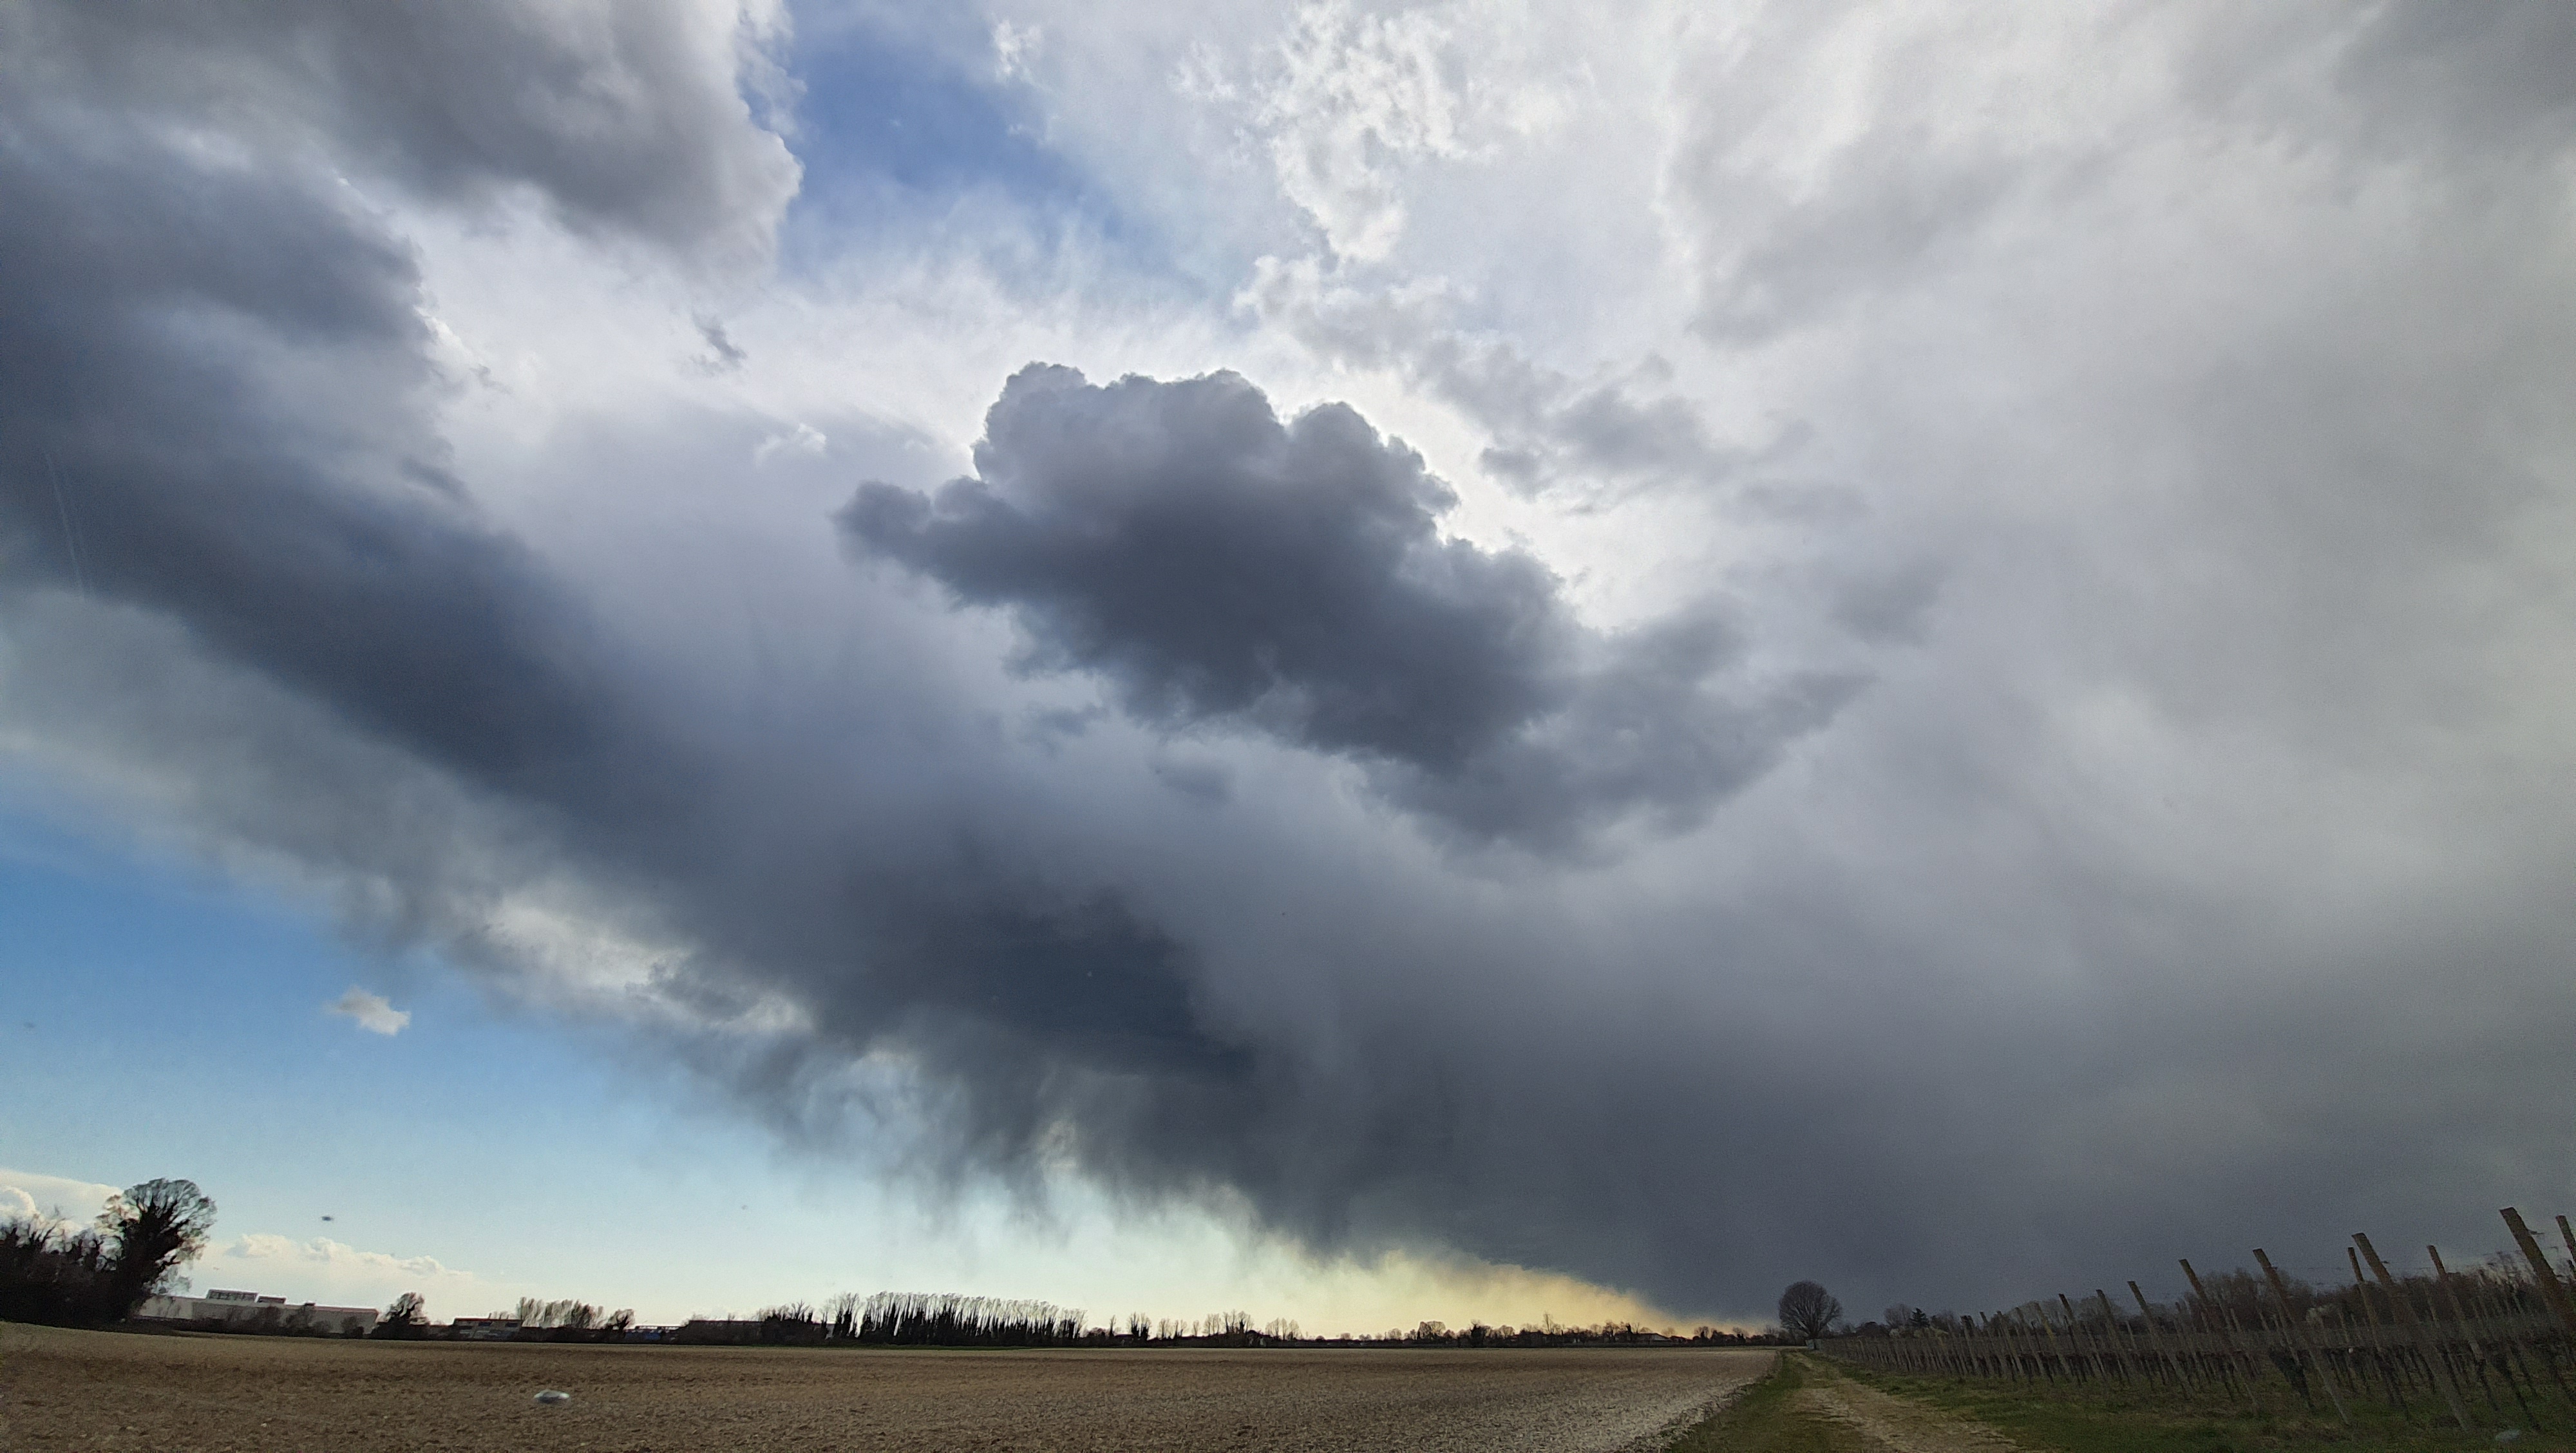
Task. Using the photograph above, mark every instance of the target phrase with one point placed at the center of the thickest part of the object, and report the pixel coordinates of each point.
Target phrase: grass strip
(1767, 1418)
(2095, 1419)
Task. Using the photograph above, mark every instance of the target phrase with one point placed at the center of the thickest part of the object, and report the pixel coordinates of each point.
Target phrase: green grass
(2115, 1420)
(1766, 1419)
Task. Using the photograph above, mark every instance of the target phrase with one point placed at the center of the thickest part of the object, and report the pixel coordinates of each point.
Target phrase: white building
(251, 1312)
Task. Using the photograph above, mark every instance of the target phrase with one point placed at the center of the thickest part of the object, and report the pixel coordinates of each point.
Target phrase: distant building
(484, 1329)
(250, 1312)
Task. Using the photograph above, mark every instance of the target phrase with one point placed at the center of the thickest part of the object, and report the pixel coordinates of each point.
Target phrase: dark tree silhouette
(406, 1319)
(1808, 1311)
(52, 1273)
(158, 1226)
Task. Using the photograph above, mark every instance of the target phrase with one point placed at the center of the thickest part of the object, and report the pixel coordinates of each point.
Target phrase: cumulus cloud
(333, 1258)
(333, 1272)
(2184, 387)
(371, 1012)
(30, 1196)
(1218, 565)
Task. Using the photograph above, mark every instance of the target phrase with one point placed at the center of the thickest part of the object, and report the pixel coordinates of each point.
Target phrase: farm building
(252, 1312)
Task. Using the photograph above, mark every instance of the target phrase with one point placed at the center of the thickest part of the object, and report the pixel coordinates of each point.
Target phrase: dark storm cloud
(139, 281)
(1217, 565)
(216, 402)
(624, 116)
(2189, 878)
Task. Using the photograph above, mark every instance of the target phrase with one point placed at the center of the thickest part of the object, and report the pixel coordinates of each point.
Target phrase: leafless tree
(406, 1319)
(158, 1227)
(1808, 1311)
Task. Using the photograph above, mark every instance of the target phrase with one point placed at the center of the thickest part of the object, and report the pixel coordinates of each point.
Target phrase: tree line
(55, 1272)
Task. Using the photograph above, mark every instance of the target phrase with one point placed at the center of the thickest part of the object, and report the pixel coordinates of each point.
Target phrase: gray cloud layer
(2190, 874)
(625, 117)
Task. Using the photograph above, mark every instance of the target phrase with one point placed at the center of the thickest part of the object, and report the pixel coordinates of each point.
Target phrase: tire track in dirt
(1893, 1423)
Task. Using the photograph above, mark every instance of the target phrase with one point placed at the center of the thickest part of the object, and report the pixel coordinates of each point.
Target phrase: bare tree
(1808, 1311)
(404, 1319)
(158, 1226)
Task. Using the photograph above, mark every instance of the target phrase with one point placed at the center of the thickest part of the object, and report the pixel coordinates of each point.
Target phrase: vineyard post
(2497, 1307)
(2129, 1369)
(2043, 1351)
(2508, 1354)
(2123, 1353)
(2548, 1279)
(2078, 1339)
(2237, 1356)
(2156, 1339)
(2469, 1332)
(2406, 1314)
(2551, 1292)
(2378, 1340)
(2050, 1333)
(2079, 1344)
(2012, 1347)
(2297, 1339)
(2039, 1350)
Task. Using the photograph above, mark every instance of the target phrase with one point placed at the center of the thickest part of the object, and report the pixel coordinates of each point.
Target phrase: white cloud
(1356, 100)
(373, 1014)
(1014, 46)
(333, 1272)
(802, 439)
(30, 1195)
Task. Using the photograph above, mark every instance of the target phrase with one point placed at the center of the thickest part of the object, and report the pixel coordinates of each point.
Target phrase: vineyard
(2489, 1345)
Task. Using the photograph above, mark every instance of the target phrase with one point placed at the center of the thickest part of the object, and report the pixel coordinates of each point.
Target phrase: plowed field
(102, 1390)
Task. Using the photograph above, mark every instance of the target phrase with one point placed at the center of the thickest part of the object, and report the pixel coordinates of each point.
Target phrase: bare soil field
(105, 1390)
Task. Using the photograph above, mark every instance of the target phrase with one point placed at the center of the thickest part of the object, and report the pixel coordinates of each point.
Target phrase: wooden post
(2549, 1290)
(2156, 1340)
(2120, 1350)
(2064, 1346)
(2049, 1330)
(2378, 1343)
(2022, 1371)
(2469, 1332)
(2076, 1338)
(2237, 1355)
(2406, 1313)
(2298, 1338)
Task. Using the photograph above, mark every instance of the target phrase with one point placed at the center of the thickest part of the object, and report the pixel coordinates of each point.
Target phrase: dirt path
(1892, 1423)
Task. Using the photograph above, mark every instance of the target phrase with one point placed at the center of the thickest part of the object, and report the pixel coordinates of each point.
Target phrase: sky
(1360, 662)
